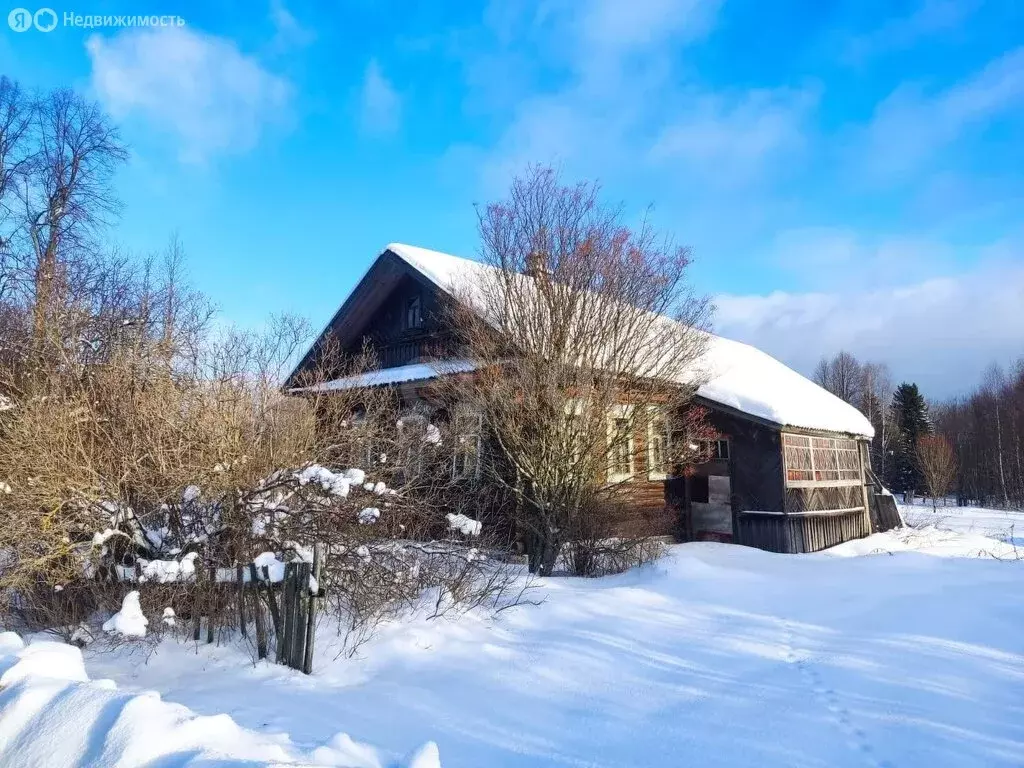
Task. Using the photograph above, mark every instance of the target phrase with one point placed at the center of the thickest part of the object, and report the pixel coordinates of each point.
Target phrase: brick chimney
(537, 265)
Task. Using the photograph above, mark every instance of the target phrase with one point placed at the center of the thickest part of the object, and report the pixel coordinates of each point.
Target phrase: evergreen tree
(912, 422)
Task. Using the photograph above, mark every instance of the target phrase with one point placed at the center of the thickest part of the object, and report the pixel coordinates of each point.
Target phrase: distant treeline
(984, 429)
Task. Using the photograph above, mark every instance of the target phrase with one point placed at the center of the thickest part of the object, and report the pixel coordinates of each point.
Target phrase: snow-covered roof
(745, 378)
(399, 375)
(737, 375)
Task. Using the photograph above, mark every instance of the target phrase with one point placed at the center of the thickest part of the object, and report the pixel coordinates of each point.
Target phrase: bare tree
(937, 463)
(586, 336)
(58, 153)
(841, 375)
(66, 193)
(876, 392)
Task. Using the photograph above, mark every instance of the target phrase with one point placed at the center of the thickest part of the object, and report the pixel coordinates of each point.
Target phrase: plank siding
(794, 534)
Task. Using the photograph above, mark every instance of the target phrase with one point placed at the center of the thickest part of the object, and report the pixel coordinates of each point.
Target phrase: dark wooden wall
(394, 344)
(755, 463)
(799, 533)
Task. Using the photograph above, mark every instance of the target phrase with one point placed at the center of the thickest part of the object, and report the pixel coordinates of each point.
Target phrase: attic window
(413, 313)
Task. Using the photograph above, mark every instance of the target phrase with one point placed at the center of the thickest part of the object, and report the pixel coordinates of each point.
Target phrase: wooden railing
(800, 532)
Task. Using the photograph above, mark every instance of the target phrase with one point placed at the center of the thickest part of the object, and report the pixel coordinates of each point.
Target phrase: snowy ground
(1005, 525)
(716, 656)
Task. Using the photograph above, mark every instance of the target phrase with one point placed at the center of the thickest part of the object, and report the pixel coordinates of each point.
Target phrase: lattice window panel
(820, 461)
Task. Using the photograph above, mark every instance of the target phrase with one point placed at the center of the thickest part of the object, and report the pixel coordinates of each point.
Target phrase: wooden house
(789, 474)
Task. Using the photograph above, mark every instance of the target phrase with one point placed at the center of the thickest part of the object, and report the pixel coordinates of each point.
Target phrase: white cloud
(818, 256)
(598, 115)
(941, 332)
(623, 26)
(910, 127)
(730, 139)
(931, 17)
(196, 87)
(288, 32)
(380, 104)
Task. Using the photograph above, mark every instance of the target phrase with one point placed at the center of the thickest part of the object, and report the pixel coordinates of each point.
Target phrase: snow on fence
(291, 592)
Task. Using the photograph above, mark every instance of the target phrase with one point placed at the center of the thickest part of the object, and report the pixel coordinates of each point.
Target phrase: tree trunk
(240, 575)
(549, 550)
(999, 455)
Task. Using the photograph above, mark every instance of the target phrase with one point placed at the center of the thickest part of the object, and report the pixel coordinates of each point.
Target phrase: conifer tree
(912, 422)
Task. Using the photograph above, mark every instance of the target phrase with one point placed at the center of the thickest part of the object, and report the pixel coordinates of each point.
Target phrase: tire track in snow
(856, 738)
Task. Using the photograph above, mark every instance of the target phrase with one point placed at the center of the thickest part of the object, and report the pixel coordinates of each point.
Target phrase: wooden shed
(790, 472)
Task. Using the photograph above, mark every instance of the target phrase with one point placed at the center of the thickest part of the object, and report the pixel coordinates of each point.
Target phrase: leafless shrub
(596, 547)
(937, 463)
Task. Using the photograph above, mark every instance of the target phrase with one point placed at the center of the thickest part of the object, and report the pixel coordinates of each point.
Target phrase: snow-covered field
(1005, 525)
(716, 656)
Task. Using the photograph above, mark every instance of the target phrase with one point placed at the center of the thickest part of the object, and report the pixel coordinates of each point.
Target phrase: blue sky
(849, 174)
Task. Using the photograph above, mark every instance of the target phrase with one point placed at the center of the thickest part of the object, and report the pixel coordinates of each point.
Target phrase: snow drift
(53, 716)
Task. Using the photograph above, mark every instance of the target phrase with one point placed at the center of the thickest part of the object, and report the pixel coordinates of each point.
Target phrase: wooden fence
(799, 532)
(250, 596)
(293, 618)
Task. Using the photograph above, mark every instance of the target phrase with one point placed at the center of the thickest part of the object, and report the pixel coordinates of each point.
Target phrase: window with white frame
(658, 446)
(820, 461)
(466, 456)
(620, 444)
(361, 453)
(412, 434)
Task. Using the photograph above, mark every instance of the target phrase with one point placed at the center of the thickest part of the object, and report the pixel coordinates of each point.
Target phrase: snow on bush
(369, 515)
(337, 484)
(467, 526)
(129, 621)
(82, 635)
(169, 617)
(433, 435)
(355, 476)
(168, 571)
